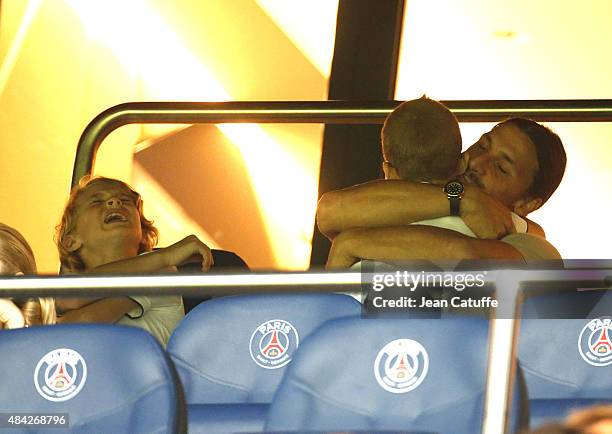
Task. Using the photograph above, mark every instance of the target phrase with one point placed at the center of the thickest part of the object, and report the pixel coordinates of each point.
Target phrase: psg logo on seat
(401, 365)
(60, 375)
(595, 342)
(273, 343)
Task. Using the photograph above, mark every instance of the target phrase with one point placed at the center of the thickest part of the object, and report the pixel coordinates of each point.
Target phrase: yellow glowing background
(67, 60)
(64, 61)
(546, 49)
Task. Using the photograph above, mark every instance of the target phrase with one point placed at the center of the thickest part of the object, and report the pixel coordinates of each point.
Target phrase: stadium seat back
(236, 349)
(104, 378)
(231, 353)
(387, 374)
(565, 349)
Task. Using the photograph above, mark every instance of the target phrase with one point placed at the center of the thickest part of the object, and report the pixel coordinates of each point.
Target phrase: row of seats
(238, 361)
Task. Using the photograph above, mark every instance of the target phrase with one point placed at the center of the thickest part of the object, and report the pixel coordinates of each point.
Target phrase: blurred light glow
(311, 26)
(8, 63)
(143, 42)
(169, 217)
(286, 191)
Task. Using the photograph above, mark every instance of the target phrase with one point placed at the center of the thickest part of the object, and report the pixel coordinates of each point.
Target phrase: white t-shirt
(457, 224)
(159, 315)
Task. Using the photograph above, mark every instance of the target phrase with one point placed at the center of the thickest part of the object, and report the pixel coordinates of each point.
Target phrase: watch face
(453, 188)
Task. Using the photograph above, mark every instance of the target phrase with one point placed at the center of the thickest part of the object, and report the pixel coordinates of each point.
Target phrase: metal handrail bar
(191, 284)
(329, 112)
(224, 284)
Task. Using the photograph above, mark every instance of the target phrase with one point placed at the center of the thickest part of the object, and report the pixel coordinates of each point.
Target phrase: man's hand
(188, 249)
(485, 216)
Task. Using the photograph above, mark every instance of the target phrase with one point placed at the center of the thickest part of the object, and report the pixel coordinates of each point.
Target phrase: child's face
(107, 211)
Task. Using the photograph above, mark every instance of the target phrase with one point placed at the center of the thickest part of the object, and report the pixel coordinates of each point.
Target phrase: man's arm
(413, 242)
(379, 204)
(386, 203)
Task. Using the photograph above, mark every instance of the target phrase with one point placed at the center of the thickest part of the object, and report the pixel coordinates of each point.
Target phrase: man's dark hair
(551, 157)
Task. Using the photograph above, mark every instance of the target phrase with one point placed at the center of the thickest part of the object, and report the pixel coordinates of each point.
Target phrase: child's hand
(10, 315)
(185, 250)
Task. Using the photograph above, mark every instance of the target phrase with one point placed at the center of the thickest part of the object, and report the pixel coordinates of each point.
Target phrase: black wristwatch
(453, 190)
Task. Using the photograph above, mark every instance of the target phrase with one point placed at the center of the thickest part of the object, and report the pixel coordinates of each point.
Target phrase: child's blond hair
(16, 257)
(71, 261)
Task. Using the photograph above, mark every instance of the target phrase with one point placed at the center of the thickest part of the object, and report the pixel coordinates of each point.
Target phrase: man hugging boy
(421, 142)
(103, 230)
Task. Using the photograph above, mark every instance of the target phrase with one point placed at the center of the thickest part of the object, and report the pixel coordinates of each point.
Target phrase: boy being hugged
(103, 230)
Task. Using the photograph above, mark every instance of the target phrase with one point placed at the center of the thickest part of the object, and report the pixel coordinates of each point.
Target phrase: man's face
(107, 211)
(503, 163)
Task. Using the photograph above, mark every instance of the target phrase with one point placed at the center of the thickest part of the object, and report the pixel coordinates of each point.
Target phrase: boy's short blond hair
(422, 141)
(71, 261)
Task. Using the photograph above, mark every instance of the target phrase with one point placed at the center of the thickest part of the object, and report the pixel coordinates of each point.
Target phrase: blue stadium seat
(567, 361)
(231, 353)
(106, 378)
(387, 374)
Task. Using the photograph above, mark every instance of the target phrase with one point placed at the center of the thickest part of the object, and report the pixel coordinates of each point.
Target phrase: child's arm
(156, 261)
(65, 304)
(160, 260)
(379, 204)
(108, 310)
(413, 242)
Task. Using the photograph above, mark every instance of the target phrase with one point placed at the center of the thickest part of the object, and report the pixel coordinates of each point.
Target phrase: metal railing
(329, 112)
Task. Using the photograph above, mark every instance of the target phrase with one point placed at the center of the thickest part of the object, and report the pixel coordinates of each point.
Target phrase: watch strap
(454, 205)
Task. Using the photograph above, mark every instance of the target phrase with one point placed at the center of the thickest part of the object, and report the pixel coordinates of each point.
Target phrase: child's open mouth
(115, 217)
